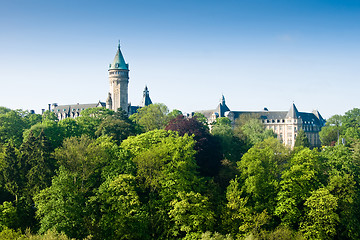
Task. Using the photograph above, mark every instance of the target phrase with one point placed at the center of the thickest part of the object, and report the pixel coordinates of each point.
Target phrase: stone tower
(119, 80)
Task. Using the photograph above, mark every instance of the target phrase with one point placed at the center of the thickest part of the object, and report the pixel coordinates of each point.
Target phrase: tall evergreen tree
(11, 171)
(37, 165)
(301, 139)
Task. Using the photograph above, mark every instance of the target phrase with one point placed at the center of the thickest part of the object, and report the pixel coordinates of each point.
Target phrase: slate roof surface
(293, 112)
(307, 118)
(76, 107)
(119, 62)
(207, 113)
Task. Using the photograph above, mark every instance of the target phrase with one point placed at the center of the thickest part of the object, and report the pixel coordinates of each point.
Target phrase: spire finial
(119, 44)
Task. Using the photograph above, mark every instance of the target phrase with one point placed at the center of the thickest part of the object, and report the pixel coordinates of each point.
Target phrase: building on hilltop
(72, 110)
(285, 124)
(117, 97)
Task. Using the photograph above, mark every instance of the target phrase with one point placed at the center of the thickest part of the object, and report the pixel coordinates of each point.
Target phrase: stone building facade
(285, 124)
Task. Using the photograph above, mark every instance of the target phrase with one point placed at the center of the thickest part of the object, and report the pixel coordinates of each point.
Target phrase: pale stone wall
(119, 80)
(287, 130)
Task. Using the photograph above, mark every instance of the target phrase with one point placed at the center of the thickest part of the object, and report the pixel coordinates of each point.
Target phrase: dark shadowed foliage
(208, 156)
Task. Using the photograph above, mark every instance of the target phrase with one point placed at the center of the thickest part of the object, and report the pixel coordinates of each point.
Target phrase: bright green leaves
(12, 125)
(62, 206)
(191, 212)
(255, 131)
(8, 216)
(303, 177)
(239, 217)
(320, 215)
(301, 139)
(260, 169)
(151, 117)
(122, 216)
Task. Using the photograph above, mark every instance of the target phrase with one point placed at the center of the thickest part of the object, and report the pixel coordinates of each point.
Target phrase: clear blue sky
(258, 53)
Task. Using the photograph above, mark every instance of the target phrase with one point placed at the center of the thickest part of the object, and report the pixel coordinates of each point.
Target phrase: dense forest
(159, 175)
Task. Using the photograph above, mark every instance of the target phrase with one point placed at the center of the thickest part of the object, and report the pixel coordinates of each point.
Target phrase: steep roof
(119, 61)
(307, 118)
(146, 101)
(261, 114)
(220, 110)
(293, 112)
(318, 115)
(76, 107)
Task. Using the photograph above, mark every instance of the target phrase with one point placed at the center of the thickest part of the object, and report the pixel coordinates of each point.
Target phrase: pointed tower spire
(146, 101)
(293, 112)
(119, 61)
(222, 108)
(223, 99)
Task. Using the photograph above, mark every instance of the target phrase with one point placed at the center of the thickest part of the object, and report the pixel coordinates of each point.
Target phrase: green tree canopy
(255, 131)
(303, 177)
(62, 206)
(260, 169)
(191, 213)
(301, 139)
(85, 157)
(91, 118)
(122, 215)
(12, 126)
(116, 128)
(51, 129)
(165, 165)
(151, 117)
(37, 165)
(321, 217)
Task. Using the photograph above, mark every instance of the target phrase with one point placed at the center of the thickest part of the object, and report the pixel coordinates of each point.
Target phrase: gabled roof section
(119, 61)
(318, 115)
(76, 107)
(293, 112)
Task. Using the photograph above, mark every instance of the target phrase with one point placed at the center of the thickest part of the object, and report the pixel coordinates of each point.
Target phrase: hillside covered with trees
(159, 175)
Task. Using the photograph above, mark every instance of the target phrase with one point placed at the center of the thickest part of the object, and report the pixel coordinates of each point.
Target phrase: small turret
(222, 108)
(146, 101)
(109, 102)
